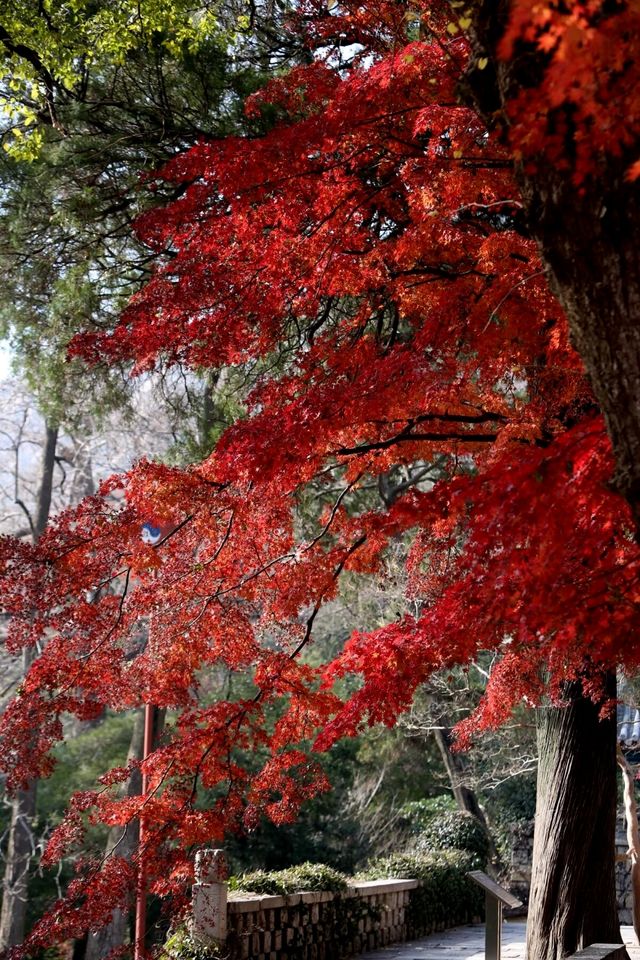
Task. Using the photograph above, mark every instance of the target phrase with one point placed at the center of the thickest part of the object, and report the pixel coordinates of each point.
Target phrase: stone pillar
(210, 896)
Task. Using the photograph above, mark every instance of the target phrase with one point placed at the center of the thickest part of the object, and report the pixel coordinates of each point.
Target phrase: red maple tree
(374, 258)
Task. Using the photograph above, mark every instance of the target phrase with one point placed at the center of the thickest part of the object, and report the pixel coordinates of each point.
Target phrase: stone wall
(623, 874)
(518, 877)
(319, 925)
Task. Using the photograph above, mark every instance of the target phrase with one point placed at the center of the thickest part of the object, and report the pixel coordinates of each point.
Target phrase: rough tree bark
(589, 245)
(573, 899)
(589, 240)
(21, 846)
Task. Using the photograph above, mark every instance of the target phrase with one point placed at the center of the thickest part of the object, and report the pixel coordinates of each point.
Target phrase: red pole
(141, 892)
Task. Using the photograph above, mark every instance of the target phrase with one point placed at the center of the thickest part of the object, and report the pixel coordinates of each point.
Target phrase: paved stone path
(467, 943)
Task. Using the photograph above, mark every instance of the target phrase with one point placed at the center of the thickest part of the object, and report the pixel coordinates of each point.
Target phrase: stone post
(210, 896)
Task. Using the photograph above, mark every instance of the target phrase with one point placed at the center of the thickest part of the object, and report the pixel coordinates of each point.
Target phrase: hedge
(455, 831)
(303, 877)
(446, 896)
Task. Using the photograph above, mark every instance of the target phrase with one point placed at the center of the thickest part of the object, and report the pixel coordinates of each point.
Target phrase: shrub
(180, 945)
(304, 876)
(445, 895)
(417, 813)
(455, 831)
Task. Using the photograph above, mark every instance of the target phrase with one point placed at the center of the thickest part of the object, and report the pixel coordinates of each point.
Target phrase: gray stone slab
(467, 943)
(464, 942)
(601, 951)
(630, 941)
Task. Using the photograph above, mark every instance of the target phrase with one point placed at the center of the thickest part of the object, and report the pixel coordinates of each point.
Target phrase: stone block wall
(623, 874)
(319, 925)
(519, 871)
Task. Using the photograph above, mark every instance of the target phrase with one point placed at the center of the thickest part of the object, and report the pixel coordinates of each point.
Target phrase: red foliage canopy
(369, 256)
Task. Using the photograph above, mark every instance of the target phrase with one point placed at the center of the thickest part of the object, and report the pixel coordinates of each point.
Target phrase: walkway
(467, 943)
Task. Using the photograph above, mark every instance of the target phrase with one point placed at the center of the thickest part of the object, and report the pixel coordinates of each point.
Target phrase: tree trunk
(589, 242)
(21, 845)
(101, 942)
(211, 417)
(20, 849)
(45, 491)
(464, 796)
(114, 935)
(573, 900)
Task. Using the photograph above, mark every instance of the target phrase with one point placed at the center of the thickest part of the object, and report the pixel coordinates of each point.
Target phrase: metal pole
(141, 892)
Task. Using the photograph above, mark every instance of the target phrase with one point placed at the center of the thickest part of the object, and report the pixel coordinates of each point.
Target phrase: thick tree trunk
(21, 845)
(589, 241)
(573, 900)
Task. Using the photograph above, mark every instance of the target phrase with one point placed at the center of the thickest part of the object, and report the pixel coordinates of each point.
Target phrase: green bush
(455, 830)
(417, 813)
(305, 876)
(180, 945)
(445, 896)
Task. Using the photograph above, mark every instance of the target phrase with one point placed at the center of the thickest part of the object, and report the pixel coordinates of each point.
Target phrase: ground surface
(467, 943)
